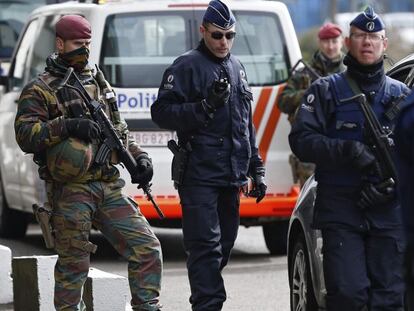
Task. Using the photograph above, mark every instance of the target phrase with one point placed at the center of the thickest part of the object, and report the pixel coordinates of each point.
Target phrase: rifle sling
(391, 113)
(357, 90)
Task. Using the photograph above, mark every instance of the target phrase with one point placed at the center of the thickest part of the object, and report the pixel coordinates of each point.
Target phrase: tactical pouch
(43, 215)
(179, 162)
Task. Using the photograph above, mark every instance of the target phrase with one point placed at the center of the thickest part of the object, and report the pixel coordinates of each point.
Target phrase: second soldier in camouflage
(325, 61)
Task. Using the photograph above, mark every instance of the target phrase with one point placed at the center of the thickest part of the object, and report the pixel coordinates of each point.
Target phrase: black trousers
(363, 269)
(210, 225)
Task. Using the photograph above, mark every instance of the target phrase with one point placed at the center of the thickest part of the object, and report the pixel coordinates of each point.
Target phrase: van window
(13, 15)
(260, 47)
(137, 48)
(43, 46)
(22, 55)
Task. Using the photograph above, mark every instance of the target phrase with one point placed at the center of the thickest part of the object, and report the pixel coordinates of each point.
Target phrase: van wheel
(275, 235)
(302, 296)
(13, 224)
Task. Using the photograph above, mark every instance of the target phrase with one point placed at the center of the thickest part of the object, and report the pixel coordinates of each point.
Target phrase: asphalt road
(254, 280)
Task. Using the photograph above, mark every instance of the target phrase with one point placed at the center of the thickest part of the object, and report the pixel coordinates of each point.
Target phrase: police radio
(221, 84)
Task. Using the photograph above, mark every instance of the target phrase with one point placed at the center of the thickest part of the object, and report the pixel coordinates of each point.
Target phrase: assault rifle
(379, 141)
(308, 69)
(111, 141)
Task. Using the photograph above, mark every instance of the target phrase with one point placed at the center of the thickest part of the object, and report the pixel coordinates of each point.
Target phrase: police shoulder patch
(307, 107)
(168, 85)
(310, 98)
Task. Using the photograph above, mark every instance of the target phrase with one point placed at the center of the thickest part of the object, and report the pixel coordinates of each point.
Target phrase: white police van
(133, 42)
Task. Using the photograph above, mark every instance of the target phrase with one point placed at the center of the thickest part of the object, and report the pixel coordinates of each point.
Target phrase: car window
(261, 54)
(43, 46)
(137, 48)
(22, 55)
(13, 16)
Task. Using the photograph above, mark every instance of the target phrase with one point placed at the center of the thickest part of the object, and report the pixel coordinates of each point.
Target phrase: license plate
(153, 138)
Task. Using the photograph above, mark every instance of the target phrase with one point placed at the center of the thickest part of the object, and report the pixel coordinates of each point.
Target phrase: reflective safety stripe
(270, 125)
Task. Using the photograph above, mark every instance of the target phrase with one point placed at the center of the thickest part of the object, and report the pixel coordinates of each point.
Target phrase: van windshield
(260, 47)
(138, 47)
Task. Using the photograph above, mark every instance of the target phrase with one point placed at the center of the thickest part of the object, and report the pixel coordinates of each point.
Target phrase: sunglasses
(217, 35)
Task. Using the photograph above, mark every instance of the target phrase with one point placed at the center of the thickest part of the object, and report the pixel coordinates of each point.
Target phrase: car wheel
(275, 235)
(13, 224)
(302, 296)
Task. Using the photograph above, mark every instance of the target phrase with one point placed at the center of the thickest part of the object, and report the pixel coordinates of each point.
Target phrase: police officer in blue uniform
(360, 220)
(205, 97)
(404, 142)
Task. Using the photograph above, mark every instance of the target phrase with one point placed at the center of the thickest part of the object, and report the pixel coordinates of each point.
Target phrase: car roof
(155, 5)
(403, 61)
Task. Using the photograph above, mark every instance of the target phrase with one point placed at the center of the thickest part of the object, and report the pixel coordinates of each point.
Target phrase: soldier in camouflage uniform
(54, 124)
(326, 60)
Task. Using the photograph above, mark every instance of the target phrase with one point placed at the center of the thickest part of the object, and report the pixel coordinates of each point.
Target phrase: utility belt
(180, 160)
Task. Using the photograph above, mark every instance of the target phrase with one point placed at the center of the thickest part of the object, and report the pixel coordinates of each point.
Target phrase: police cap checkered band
(368, 21)
(219, 15)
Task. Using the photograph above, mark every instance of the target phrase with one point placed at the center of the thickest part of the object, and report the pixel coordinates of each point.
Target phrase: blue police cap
(368, 21)
(219, 15)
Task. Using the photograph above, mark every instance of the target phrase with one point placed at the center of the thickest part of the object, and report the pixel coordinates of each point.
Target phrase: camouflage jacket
(39, 122)
(300, 81)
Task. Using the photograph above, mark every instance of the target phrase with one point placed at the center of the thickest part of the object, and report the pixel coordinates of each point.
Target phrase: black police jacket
(404, 141)
(322, 126)
(222, 146)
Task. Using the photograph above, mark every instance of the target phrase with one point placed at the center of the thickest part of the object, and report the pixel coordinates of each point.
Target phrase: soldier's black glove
(144, 172)
(258, 182)
(84, 129)
(218, 96)
(373, 196)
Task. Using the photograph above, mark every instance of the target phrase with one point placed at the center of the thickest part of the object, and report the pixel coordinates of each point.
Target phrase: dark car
(307, 286)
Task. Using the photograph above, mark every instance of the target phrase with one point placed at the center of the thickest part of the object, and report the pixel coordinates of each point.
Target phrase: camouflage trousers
(301, 171)
(76, 207)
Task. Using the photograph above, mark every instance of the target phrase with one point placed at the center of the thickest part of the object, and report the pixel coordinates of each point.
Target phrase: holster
(43, 215)
(179, 163)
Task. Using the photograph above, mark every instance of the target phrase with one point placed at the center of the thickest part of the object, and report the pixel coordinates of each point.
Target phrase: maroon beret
(71, 27)
(329, 31)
